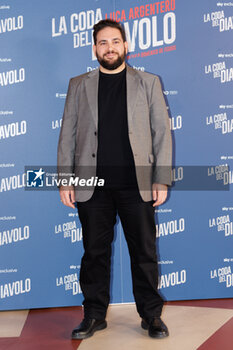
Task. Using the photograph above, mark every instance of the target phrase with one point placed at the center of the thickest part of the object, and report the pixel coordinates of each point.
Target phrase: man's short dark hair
(108, 23)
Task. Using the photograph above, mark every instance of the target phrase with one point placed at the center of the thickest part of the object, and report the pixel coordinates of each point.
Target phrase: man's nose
(110, 47)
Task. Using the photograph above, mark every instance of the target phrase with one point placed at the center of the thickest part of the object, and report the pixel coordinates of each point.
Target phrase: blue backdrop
(189, 45)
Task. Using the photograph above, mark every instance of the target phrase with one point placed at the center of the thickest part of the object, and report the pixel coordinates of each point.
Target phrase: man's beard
(111, 65)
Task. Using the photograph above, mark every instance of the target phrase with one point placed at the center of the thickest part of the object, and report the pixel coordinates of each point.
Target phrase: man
(115, 126)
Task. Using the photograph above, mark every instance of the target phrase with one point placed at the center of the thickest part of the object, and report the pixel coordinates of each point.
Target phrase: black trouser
(98, 217)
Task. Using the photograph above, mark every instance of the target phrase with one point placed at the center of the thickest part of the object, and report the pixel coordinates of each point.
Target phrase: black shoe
(87, 328)
(156, 328)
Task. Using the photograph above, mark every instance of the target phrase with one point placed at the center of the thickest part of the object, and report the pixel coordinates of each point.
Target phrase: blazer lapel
(132, 83)
(92, 84)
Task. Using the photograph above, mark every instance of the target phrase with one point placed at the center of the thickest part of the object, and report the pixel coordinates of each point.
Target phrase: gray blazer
(148, 124)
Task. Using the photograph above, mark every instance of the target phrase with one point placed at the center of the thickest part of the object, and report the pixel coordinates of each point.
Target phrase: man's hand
(67, 196)
(159, 193)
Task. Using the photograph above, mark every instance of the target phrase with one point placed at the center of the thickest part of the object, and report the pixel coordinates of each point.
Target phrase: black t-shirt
(115, 161)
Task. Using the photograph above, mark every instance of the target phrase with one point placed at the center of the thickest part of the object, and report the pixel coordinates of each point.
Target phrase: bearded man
(116, 127)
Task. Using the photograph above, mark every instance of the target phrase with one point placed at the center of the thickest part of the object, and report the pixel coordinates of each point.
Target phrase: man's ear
(94, 49)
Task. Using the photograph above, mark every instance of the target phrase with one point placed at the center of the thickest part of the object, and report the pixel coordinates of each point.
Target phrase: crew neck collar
(114, 74)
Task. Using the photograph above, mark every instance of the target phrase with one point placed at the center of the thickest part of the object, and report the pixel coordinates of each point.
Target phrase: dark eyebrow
(114, 39)
(104, 40)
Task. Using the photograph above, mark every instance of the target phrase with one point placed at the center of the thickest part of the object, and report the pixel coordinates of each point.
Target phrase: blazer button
(93, 155)
(95, 133)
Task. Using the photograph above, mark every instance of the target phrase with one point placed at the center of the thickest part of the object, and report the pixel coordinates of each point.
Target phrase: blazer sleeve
(161, 135)
(66, 143)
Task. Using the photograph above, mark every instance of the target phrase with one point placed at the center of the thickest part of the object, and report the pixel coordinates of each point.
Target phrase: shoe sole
(158, 336)
(84, 336)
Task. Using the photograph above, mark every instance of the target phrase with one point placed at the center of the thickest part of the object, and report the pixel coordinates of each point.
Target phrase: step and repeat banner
(189, 46)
